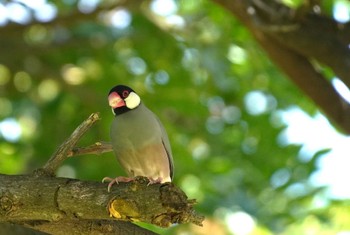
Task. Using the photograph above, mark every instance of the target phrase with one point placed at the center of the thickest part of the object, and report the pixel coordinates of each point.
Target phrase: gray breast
(138, 142)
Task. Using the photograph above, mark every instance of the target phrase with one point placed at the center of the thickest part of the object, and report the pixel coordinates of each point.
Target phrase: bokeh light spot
(22, 81)
(240, 223)
(4, 75)
(341, 11)
(176, 21)
(37, 34)
(249, 145)
(45, 12)
(87, 6)
(280, 178)
(164, 7)
(236, 54)
(161, 77)
(191, 185)
(215, 105)
(10, 129)
(341, 88)
(120, 18)
(48, 89)
(136, 66)
(18, 13)
(215, 125)
(199, 148)
(3, 15)
(257, 102)
(28, 126)
(231, 114)
(296, 190)
(73, 75)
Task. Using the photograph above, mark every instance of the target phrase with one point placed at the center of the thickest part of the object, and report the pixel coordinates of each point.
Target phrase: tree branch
(72, 203)
(314, 35)
(87, 206)
(292, 56)
(78, 227)
(96, 148)
(63, 152)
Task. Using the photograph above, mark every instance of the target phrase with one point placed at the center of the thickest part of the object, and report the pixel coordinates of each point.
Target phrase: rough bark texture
(69, 206)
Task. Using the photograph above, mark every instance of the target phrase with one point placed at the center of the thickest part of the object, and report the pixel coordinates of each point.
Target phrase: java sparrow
(138, 138)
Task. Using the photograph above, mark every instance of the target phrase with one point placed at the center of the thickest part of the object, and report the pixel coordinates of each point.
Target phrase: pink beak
(115, 101)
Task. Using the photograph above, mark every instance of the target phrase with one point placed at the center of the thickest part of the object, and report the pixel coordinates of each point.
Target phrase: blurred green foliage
(196, 67)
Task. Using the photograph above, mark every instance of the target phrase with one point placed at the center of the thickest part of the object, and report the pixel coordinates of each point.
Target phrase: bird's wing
(166, 144)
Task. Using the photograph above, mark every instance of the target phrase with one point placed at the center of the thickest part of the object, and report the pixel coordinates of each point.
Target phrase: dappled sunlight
(258, 102)
(22, 81)
(45, 12)
(215, 125)
(341, 11)
(4, 75)
(341, 88)
(38, 35)
(199, 148)
(163, 7)
(48, 89)
(88, 6)
(73, 75)
(18, 13)
(237, 55)
(280, 177)
(10, 129)
(3, 15)
(191, 184)
(240, 223)
(164, 13)
(120, 18)
(29, 126)
(242, 147)
(221, 114)
(317, 135)
(136, 66)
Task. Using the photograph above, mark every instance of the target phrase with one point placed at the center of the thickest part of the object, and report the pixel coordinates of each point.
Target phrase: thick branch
(43, 202)
(313, 35)
(78, 227)
(295, 65)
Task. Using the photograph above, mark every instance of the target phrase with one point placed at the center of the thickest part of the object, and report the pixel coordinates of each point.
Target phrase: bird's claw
(154, 181)
(115, 180)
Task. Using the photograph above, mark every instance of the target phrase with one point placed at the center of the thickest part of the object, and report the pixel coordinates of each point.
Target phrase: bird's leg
(154, 181)
(116, 180)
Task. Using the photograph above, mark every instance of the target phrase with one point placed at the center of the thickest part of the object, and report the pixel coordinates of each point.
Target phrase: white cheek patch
(132, 101)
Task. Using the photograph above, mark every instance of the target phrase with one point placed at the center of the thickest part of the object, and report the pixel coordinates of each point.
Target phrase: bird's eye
(125, 93)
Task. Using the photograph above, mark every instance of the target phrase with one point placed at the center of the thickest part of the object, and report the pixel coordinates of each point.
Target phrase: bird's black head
(122, 99)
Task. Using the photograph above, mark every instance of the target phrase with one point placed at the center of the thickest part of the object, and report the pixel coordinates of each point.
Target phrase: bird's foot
(116, 180)
(154, 181)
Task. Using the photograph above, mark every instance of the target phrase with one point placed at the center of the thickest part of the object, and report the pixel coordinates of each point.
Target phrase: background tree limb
(291, 42)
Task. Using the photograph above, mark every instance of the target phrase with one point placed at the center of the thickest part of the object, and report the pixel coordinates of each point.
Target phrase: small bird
(138, 138)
